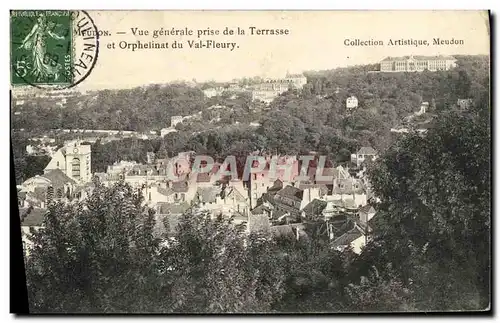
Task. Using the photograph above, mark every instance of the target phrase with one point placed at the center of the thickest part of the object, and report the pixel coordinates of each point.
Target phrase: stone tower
(78, 162)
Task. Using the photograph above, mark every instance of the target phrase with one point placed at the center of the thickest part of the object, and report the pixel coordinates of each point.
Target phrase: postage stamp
(54, 49)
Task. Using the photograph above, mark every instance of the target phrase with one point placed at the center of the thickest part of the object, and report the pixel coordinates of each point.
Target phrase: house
(53, 185)
(363, 154)
(334, 208)
(326, 175)
(366, 213)
(287, 202)
(166, 131)
(168, 216)
(183, 192)
(464, 104)
(351, 191)
(423, 108)
(266, 208)
(225, 200)
(351, 103)
(352, 231)
(210, 92)
(120, 167)
(31, 219)
(278, 168)
(154, 193)
(175, 120)
(354, 239)
(294, 231)
(314, 210)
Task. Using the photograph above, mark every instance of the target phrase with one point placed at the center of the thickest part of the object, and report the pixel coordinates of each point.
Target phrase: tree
(434, 218)
(212, 266)
(95, 256)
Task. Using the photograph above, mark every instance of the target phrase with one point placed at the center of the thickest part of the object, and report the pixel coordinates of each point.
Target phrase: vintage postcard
(251, 161)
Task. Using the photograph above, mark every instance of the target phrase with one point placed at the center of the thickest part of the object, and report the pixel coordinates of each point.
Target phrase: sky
(315, 42)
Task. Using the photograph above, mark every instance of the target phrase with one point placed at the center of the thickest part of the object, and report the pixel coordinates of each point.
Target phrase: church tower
(78, 162)
(74, 161)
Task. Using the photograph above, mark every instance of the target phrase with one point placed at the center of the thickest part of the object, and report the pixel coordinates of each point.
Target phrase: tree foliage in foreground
(431, 246)
(434, 220)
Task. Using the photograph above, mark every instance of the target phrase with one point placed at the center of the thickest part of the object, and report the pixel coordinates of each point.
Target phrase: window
(50, 193)
(57, 164)
(75, 168)
(183, 197)
(150, 196)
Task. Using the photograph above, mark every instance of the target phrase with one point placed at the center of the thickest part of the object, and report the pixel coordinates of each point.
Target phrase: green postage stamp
(41, 47)
(52, 49)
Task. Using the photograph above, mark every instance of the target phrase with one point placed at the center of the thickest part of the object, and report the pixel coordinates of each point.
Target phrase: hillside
(314, 119)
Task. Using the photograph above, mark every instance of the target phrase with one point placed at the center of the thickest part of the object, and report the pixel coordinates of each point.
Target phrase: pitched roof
(260, 209)
(165, 191)
(333, 205)
(58, 178)
(367, 151)
(34, 218)
(172, 208)
(208, 194)
(350, 204)
(367, 209)
(315, 207)
(335, 172)
(203, 177)
(349, 186)
(347, 238)
(233, 192)
(180, 186)
(291, 192)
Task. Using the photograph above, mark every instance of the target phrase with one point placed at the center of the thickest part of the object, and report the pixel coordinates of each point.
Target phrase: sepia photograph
(251, 162)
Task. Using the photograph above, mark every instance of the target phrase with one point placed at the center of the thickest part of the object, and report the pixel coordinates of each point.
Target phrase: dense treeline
(25, 166)
(430, 249)
(139, 109)
(314, 119)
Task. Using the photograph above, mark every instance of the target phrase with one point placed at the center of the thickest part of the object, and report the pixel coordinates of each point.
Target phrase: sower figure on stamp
(44, 65)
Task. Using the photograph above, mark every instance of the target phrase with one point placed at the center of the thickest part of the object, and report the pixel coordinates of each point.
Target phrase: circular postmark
(52, 49)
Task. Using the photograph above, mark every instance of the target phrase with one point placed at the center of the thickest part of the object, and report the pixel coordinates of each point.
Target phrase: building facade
(74, 160)
(351, 103)
(417, 63)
